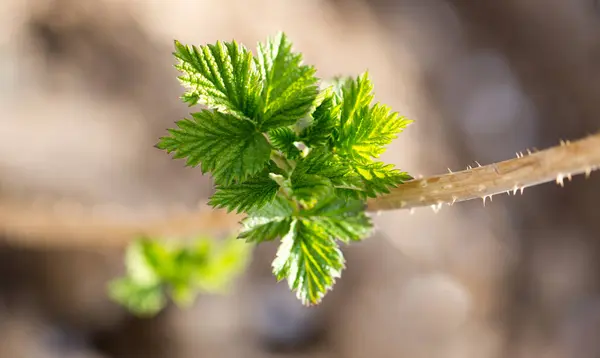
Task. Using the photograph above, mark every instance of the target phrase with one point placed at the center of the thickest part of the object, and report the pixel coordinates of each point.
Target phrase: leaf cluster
(158, 269)
(298, 159)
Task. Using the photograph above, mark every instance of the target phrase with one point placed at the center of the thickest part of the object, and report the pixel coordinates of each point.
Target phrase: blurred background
(87, 87)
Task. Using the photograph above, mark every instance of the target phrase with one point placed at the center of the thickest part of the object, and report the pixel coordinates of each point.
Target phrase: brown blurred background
(87, 87)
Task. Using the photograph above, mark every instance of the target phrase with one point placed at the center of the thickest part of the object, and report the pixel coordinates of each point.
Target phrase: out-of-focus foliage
(157, 270)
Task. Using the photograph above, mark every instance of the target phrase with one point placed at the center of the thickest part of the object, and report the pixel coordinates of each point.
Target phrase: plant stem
(50, 227)
(510, 176)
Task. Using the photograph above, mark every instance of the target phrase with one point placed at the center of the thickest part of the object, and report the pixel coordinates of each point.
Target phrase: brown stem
(50, 227)
(510, 176)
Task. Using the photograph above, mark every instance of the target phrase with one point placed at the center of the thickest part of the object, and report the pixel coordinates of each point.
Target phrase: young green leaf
(290, 88)
(308, 189)
(365, 130)
(367, 137)
(325, 118)
(378, 178)
(362, 134)
(221, 76)
(251, 194)
(356, 96)
(322, 162)
(343, 220)
(230, 148)
(268, 223)
(283, 139)
(310, 259)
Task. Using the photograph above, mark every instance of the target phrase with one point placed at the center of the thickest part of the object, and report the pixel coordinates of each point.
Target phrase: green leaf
(361, 135)
(343, 220)
(325, 118)
(322, 162)
(365, 130)
(221, 76)
(155, 268)
(283, 139)
(308, 189)
(251, 194)
(376, 128)
(290, 88)
(142, 300)
(268, 223)
(378, 178)
(356, 97)
(230, 148)
(310, 260)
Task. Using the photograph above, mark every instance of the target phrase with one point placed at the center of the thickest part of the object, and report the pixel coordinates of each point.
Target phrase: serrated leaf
(283, 139)
(230, 148)
(343, 220)
(290, 88)
(365, 130)
(356, 96)
(268, 223)
(368, 136)
(222, 76)
(308, 189)
(310, 260)
(379, 178)
(253, 193)
(325, 119)
(361, 135)
(259, 229)
(322, 162)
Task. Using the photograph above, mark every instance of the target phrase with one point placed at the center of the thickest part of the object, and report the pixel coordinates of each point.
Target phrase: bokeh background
(87, 87)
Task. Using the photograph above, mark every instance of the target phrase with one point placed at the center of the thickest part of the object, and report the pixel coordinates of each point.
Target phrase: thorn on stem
(560, 180)
(436, 207)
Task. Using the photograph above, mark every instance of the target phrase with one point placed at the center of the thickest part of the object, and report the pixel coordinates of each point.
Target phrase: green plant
(157, 269)
(299, 158)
